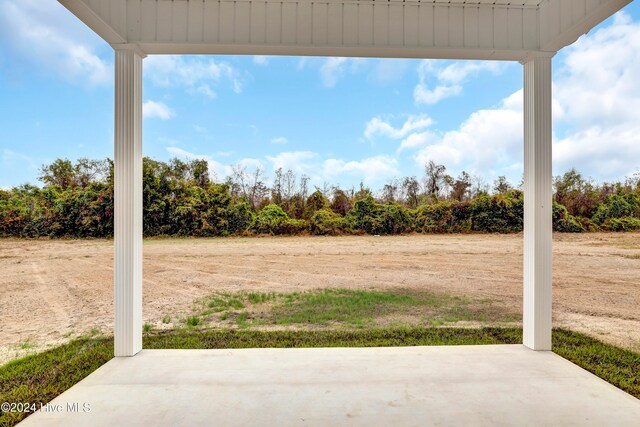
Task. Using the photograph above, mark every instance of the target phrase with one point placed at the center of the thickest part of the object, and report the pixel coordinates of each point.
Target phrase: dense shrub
(16, 211)
(373, 218)
(325, 222)
(363, 216)
(394, 219)
(579, 195)
(179, 199)
(239, 218)
(622, 224)
(618, 206)
(340, 202)
(499, 213)
(269, 219)
(443, 217)
(292, 226)
(564, 222)
(587, 224)
(315, 202)
(273, 220)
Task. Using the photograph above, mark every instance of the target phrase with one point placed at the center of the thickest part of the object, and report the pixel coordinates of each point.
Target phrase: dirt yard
(53, 290)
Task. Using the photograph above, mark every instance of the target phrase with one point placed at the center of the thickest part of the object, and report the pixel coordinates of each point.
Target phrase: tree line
(180, 198)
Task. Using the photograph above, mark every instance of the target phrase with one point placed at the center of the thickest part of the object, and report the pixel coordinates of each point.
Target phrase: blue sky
(337, 120)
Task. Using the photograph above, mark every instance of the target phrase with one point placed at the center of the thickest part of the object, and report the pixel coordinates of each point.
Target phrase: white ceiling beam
(563, 22)
(340, 51)
(93, 20)
(451, 29)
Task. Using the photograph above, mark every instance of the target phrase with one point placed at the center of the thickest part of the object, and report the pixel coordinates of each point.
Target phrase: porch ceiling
(455, 29)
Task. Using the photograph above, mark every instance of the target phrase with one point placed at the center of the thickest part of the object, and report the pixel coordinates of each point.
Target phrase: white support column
(128, 202)
(537, 204)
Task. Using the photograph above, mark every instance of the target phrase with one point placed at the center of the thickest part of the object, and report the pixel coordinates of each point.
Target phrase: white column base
(537, 204)
(128, 203)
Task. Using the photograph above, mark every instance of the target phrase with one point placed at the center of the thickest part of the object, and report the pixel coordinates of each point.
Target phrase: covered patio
(492, 385)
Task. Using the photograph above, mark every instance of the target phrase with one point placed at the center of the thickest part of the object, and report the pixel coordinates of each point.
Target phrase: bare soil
(51, 290)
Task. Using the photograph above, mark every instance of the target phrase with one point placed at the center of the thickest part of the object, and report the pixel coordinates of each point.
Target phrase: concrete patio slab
(406, 386)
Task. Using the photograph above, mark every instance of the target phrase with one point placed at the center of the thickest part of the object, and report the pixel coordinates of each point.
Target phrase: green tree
(461, 187)
(315, 202)
(502, 185)
(61, 173)
(340, 202)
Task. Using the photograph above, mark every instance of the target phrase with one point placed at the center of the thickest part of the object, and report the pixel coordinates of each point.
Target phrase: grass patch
(193, 321)
(353, 307)
(41, 377)
(615, 365)
(26, 345)
(242, 319)
(348, 308)
(261, 297)
(377, 337)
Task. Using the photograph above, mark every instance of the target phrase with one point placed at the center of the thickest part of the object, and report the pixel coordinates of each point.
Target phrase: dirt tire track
(51, 296)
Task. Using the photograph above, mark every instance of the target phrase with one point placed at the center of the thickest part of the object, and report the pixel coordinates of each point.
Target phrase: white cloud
(381, 71)
(373, 170)
(334, 68)
(449, 79)
(12, 157)
(608, 153)
(179, 152)
(205, 90)
(217, 170)
(423, 95)
(196, 73)
(251, 163)
(378, 126)
(488, 140)
(279, 140)
(416, 140)
(389, 70)
(598, 80)
(598, 90)
(46, 33)
(158, 110)
(261, 60)
(297, 161)
(224, 153)
(595, 105)
(302, 63)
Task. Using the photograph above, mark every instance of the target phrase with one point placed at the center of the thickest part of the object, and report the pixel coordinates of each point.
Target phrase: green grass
(352, 307)
(260, 297)
(377, 337)
(618, 366)
(193, 321)
(27, 345)
(242, 319)
(348, 308)
(41, 377)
